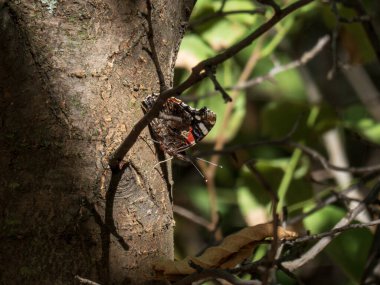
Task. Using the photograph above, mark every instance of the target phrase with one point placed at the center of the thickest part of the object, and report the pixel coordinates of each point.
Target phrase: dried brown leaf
(232, 251)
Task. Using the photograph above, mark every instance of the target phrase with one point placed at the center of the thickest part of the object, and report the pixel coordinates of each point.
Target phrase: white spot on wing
(203, 128)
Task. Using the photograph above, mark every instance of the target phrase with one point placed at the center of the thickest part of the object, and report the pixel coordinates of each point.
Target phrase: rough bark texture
(72, 76)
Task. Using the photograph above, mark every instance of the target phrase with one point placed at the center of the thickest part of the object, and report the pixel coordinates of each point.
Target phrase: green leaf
(356, 118)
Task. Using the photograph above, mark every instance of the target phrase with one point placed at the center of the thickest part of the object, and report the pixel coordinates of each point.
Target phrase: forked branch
(198, 73)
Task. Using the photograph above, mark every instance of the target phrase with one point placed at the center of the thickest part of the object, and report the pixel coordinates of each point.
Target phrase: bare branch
(286, 142)
(192, 217)
(275, 199)
(198, 73)
(219, 14)
(322, 243)
(215, 274)
(222, 5)
(272, 4)
(85, 281)
(290, 274)
(332, 199)
(333, 232)
(305, 58)
(315, 155)
(218, 87)
(368, 26)
(153, 52)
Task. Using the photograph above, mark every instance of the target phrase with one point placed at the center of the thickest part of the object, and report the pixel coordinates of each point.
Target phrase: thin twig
(368, 26)
(192, 217)
(220, 14)
(221, 138)
(304, 59)
(197, 74)
(215, 274)
(334, 43)
(290, 274)
(322, 243)
(371, 270)
(286, 142)
(85, 281)
(222, 5)
(354, 20)
(275, 199)
(153, 52)
(333, 232)
(327, 165)
(332, 199)
(270, 3)
(217, 86)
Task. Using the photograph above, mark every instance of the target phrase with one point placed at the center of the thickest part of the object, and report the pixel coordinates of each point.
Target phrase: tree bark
(72, 76)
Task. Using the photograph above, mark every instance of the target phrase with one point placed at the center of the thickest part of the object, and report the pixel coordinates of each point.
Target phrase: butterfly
(178, 125)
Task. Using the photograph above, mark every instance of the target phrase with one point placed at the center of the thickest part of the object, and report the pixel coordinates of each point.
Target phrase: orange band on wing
(190, 138)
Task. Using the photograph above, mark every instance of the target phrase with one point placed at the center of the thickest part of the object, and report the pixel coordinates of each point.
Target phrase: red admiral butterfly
(179, 126)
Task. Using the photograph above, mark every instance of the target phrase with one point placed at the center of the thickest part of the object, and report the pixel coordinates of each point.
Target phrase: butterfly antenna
(209, 162)
(162, 161)
(199, 171)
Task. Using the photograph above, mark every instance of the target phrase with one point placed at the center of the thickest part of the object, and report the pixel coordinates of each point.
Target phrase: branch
(332, 233)
(365, 22)
(333, 199)
(217, 86)
(222, 5)
(153, 52)
(274, 245)
(327, 165)
(198, 73)
(215, 274)
(223, 14)
(85, 281)
(305, 58)
(192, 217)
(321, 244)
(367, 25)
(272, 4)
(285, 141)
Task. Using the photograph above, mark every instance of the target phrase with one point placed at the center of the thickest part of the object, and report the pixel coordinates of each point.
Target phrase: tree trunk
(72, 77)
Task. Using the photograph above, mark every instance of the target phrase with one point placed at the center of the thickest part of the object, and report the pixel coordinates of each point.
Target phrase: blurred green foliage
(269, 111)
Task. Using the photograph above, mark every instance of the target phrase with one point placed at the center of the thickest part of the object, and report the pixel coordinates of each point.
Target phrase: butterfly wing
(179, 126)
